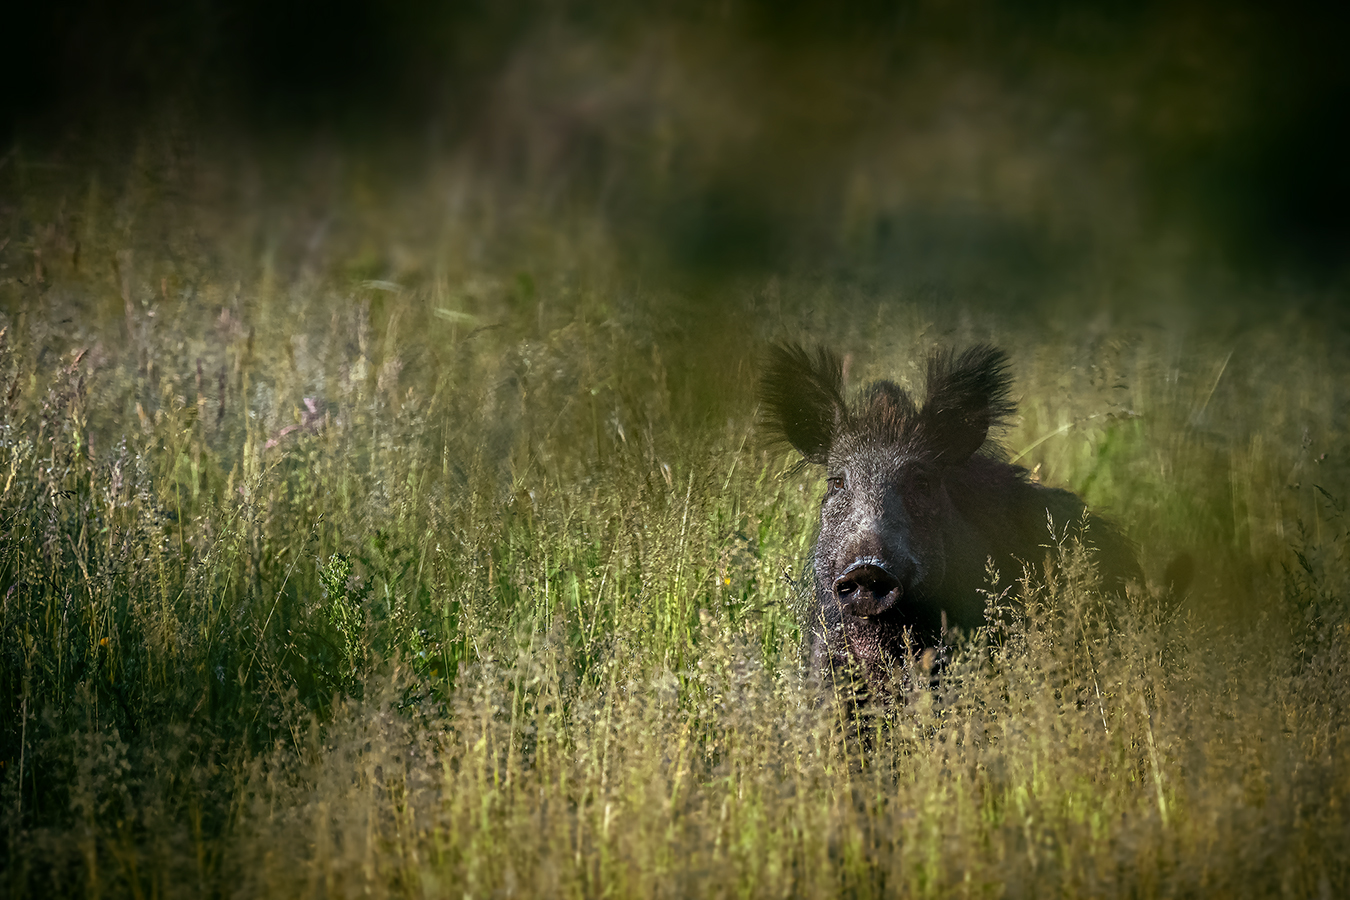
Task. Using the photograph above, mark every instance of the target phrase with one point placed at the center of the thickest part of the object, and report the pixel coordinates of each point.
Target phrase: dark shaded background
(732, 133)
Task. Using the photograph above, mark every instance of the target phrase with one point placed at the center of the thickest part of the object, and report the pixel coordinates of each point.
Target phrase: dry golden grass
(358, 543)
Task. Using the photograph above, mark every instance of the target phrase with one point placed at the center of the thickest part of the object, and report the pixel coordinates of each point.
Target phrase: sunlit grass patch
(387, 568)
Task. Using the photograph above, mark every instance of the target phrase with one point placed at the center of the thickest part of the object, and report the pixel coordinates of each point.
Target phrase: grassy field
(374, 536)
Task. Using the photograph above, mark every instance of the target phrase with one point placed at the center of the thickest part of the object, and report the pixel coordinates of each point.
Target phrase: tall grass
(423, 553)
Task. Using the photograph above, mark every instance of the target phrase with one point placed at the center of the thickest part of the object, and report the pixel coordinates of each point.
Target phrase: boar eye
(921, 482)
(834, 483)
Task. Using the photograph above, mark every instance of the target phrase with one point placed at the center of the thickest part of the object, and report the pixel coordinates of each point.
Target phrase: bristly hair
(886, 413)
(803, 397)
(965, 398)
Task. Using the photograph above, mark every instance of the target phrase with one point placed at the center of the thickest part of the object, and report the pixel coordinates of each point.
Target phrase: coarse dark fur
(918, 502)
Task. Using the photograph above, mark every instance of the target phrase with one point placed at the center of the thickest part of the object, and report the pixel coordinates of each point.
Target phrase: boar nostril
(867, 589)
(866, 577)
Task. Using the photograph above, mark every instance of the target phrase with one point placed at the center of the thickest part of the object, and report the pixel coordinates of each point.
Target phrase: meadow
(386, 536)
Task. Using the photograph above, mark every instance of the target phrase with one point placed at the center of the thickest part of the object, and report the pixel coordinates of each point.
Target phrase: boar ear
(802, 394)
(966, 396)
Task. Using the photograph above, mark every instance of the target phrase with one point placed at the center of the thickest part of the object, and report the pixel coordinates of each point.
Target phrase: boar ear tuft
(966, 396)
(803, 399)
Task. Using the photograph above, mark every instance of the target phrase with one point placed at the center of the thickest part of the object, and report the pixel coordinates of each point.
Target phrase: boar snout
(867, 588)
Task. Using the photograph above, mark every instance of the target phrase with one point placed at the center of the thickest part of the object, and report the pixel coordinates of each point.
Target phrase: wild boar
(918, 501)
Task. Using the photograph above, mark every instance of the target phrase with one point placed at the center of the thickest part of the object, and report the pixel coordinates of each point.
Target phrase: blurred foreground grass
(366, 539)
